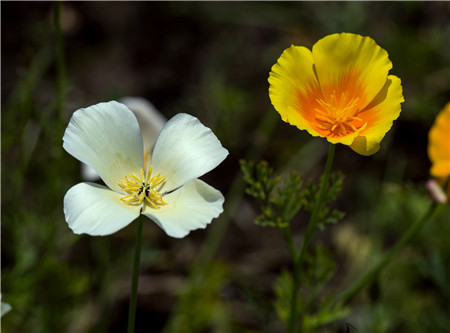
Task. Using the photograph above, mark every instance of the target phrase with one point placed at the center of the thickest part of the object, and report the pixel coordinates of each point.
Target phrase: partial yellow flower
(340, 90)
(439, 144)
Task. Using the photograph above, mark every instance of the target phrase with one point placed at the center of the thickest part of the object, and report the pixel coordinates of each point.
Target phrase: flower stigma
(144, 189)
(338, 116)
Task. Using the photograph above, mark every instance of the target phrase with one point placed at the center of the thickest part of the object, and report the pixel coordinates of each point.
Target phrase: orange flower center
(338, 116)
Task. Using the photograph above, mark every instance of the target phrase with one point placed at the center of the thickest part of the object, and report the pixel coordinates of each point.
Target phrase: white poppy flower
(106, 136)
(151, 122)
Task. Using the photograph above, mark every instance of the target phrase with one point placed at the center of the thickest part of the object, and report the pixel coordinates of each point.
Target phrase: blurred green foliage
(212, 59)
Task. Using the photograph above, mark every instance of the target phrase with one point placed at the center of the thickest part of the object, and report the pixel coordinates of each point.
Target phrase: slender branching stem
(290, 242)
(295, 278)
(348, 294)
(135, 278)
(312, 226)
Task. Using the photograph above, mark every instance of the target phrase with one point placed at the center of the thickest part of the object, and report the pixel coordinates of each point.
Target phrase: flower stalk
(348, 294)
(312, 226)
(135, 277)
(292, 319)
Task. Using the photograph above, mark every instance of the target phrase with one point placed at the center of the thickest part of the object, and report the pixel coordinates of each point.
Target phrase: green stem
(290, 242)
(292, 319)
(135, 278)
(312, 226)
(371, 275)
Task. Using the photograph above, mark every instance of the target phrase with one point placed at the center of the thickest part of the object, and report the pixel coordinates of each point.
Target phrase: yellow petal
(379, 116)
(340, 90)
(293, 86)
(439, 144)
(351, 63)
(361, 146)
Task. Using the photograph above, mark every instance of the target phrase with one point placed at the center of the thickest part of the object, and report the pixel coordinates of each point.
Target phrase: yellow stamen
(144, 189)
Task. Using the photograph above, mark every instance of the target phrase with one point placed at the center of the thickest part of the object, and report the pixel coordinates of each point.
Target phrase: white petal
(5, 308)
(106, 136)
(191, 207)
(88, 173)
(185, 150)
(150, 120)
(96, 210)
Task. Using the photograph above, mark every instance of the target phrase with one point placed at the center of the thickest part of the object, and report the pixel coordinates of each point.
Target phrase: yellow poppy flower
(339, 90)
(439, 145)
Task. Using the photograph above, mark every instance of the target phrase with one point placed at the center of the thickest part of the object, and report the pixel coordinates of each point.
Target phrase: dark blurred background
(212, 60)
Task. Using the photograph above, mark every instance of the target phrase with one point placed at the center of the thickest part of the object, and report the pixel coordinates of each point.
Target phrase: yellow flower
(340, 90)
(439, 145)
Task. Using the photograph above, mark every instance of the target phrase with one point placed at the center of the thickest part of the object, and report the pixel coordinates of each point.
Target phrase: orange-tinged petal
(361, 146)
(351, 63)
(379, 116)
(347, 139)
(439, 144)
(341, 90)
(293, 86)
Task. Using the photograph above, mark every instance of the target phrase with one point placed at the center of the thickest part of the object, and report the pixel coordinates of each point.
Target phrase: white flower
(150, 121)
(5, 307)
(107, 137)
